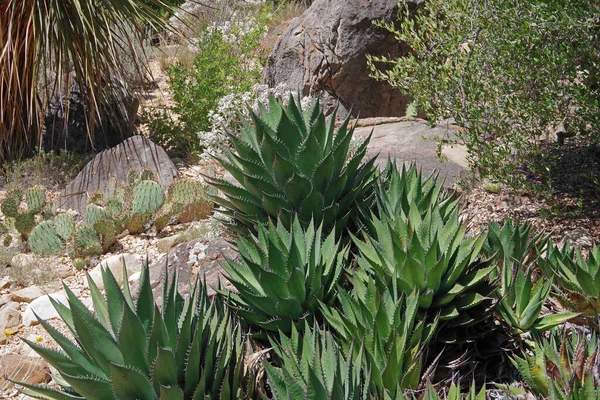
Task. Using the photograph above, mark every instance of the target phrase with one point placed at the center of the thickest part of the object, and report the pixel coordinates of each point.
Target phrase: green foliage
(562, 367)
(24, 223)
(419, 244)
(504, 70)
(313, 366)
(10, 206)
(381, 326)
(454, 393)
(94, 213)
(134, 349)
(44, 239)
(282, 275)
(225, 64)
(188, 201)
(87, 242)
(292, 162)
(578, 279)
(521, 300)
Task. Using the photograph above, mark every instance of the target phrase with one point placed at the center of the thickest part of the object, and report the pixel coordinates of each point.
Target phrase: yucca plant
(521, 297)
(293, 162)
(283, 274)
(313, 366)
(454, 393)
(565, 366)
(381, 327)
(135, 350)
(42, 42)
(419, 244)
(577, 278)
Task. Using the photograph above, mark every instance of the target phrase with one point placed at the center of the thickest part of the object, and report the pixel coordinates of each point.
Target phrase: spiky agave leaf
(314, 366)
(565, 366)
(283, 273)
(417, 242)
(577, 278)
(384, 326)
(132, 349)
(515, 253)
(293, 162)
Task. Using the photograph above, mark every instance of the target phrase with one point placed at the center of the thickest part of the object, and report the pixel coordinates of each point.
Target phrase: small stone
(20, 368)
(28, 294)
(133, 264)
(5, 281)
(9, 316)
(42, 306)
(63, 271)
(165, 244)
(4, 299)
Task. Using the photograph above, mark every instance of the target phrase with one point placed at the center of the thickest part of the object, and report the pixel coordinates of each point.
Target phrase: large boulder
(323, 52)
(136, 153)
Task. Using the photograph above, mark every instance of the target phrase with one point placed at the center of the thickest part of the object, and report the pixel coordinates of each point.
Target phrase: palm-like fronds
(86, 36)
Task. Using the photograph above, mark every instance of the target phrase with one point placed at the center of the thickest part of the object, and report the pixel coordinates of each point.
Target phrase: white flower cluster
(233, 107)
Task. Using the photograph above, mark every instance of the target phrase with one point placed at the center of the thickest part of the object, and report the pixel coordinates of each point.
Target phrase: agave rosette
(293, 162)
(283, 274)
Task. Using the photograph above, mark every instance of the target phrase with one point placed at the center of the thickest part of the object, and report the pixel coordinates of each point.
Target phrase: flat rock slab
(415, 141)
(136, 153)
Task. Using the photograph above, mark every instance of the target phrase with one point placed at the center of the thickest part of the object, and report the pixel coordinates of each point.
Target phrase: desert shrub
(506, 71)
(227, 61)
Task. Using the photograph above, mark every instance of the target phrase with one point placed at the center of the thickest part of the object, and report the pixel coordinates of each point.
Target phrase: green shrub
(505, 71)
(226, 62)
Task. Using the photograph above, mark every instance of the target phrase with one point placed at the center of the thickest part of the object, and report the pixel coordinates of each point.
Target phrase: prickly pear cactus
(137, 223)
(10, 207)
(93, 213)
(64, 225)
(35, 199)
(148, 175)
(196, 211)
(107, 229)
(184, 191)
(7, 240)
(24, 223)
(148, 198)
(115, 207)
(96, 197)
(87, 242)
(44, 240)
(79, 264)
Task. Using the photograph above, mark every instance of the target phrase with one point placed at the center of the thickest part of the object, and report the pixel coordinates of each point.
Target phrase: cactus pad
(24, 223)
(7, 240)
(93, 213)
(96, 197)
(79, 264)
(115, 207)
(107, 229)
(44, 240)
(10, 207)
(196, 211)
(148, 175)
(87, 242)
(184, 191)
(35, 199)
(64, 225)
(148, 198)
(137, 222)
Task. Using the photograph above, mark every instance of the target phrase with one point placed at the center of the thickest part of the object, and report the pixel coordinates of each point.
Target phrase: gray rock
(42, 306)
(323, 52)
(10, 316)
(199, 257)
(28, 294)
(21, 368)
(414, 141)
(133, 264)
(136, 153)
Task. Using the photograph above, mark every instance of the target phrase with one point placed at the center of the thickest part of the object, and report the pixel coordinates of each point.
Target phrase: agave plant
(283, 274)
(416, 246)
(383, 327)
(293, 162)
(454, 393)
(313, 366)
(136, 350)
(578, 279)
(563, 367)
(521, 299)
